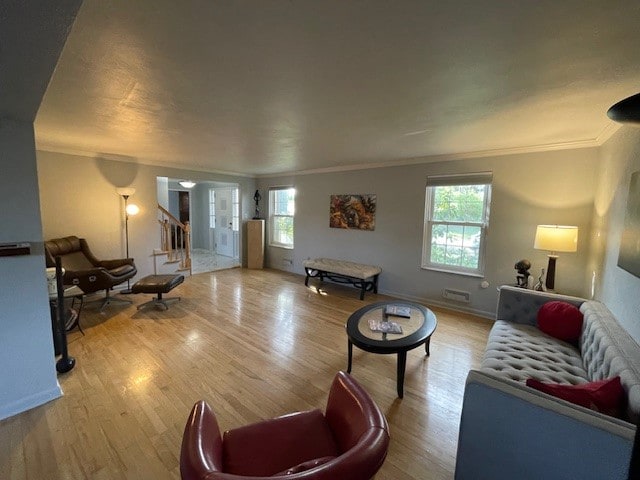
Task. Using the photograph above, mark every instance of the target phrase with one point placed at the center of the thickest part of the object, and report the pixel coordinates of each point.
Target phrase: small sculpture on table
(257, 197)
(540, 285)
(522, 275)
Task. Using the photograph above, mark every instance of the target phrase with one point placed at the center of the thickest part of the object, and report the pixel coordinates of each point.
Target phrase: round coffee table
(416, 330)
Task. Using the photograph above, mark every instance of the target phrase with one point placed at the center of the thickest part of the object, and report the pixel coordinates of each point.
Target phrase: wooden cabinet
(255, 243)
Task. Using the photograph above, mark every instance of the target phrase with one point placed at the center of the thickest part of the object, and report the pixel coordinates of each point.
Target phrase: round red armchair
(349, 441)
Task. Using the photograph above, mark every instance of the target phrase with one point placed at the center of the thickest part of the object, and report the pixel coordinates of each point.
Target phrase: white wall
(28, 375)
(78, 197)
(617, 288)
(528, 189)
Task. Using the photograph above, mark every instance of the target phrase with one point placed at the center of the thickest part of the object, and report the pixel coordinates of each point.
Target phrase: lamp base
(551, 273)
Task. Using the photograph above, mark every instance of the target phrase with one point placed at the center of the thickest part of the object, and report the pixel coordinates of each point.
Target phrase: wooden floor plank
(253, 343)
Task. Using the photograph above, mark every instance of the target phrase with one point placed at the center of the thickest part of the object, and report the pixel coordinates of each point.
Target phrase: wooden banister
(180, 235)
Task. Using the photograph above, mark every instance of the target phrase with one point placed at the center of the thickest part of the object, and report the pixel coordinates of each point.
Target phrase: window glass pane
(283, 202)
(461, 203)
(283, 230)
(235, 214)
(212, 208)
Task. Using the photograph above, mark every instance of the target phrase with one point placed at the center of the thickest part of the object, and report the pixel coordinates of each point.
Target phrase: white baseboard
(30, 402)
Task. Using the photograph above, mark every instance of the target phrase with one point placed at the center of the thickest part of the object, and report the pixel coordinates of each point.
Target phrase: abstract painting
(629, 256)
(357, 212)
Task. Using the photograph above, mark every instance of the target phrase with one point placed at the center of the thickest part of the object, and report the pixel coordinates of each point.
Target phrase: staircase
(174, 254)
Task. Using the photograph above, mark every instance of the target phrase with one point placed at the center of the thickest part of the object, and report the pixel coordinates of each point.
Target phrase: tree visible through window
(456, 220)
(281, 211)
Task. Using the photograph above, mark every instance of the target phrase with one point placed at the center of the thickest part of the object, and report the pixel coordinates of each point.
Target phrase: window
(456, 221)
(235, 210)
(281, 210)
(212, 208)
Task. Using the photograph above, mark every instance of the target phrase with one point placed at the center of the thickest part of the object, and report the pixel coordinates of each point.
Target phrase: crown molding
(574, 145)
(140, 161)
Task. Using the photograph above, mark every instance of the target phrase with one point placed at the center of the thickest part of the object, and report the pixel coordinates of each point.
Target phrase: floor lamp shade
(555, 238)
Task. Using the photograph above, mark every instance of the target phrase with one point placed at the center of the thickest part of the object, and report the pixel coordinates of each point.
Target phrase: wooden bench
(364, 277)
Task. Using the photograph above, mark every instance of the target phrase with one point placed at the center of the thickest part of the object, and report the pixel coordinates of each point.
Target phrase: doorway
(212, 210)
(223, 233)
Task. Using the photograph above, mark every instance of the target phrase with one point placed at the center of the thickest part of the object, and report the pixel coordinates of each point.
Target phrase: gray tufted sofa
(510, 431)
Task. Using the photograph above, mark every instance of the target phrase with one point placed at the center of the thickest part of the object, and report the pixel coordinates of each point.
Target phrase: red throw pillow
(560, 320)
(605, 396)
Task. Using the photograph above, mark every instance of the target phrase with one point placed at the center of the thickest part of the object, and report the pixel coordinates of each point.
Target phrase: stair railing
(175, 238)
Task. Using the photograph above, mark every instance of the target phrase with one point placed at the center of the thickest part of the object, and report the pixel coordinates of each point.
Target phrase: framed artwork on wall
(629, 256)
(353, 211)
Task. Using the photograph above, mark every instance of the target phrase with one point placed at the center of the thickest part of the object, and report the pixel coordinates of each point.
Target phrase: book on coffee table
(384, 326)
(398, 311)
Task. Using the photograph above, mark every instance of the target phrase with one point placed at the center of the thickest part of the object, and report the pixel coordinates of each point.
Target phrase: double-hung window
(281, 211)
(456, 221)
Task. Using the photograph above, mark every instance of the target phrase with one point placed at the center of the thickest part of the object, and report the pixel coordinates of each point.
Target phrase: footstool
(158, 284)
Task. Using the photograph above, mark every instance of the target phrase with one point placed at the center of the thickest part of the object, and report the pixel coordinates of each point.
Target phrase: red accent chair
(349, 441)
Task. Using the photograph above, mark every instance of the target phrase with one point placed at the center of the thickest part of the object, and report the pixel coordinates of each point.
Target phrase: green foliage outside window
(456, 225)
(282, 206)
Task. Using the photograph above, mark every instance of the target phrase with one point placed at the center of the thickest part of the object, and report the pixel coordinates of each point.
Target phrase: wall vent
(456, 295)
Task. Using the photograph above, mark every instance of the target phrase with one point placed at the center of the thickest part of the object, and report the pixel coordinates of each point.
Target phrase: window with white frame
(212, 208)
(281, 211)
(456, 220)
(235, 210)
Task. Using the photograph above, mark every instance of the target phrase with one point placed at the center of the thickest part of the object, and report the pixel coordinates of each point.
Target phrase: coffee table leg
(402, 363)
(349, 356)
(426, 346)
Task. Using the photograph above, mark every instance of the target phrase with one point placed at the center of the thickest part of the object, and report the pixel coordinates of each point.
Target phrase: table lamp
(555, 238)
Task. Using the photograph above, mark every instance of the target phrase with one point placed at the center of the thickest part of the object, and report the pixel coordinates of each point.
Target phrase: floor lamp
(129, 209)
(555, 238)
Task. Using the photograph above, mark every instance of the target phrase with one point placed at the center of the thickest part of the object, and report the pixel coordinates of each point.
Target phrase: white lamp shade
(133, 209)
(556, 238)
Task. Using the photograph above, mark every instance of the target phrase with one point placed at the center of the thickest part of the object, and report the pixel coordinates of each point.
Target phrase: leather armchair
(349, 441)
(83, 269)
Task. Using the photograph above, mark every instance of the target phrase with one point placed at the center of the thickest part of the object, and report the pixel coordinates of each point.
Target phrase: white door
(224, 222)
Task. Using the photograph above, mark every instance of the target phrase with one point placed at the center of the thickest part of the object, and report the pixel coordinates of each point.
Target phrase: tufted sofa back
(608, 351)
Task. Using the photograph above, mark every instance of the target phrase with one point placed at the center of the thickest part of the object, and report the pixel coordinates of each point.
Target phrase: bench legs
(363, 285)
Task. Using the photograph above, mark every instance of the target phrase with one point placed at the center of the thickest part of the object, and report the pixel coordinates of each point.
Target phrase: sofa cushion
(609, 351)
(519, 352)
(605, 396)
(271, 446)
(560, 320)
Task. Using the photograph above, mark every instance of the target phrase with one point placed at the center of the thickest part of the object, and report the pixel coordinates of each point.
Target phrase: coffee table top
(415, 330)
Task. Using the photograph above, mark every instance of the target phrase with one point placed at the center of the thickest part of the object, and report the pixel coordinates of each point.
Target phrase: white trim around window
(456, 222)
(281, 216)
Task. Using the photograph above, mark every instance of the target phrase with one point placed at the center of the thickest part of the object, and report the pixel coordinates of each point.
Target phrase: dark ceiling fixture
(627, 110)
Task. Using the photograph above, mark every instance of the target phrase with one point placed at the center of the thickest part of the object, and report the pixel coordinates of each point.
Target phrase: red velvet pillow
(560, 320)
(605, 396)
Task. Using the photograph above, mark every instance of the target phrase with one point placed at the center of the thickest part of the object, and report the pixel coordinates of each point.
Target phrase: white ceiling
(269, 86)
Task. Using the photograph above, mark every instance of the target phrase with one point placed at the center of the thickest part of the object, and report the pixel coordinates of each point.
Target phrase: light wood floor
(254, 344)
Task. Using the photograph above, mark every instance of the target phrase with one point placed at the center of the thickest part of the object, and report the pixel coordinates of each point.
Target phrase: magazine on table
(398, 311)
(384, 326)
